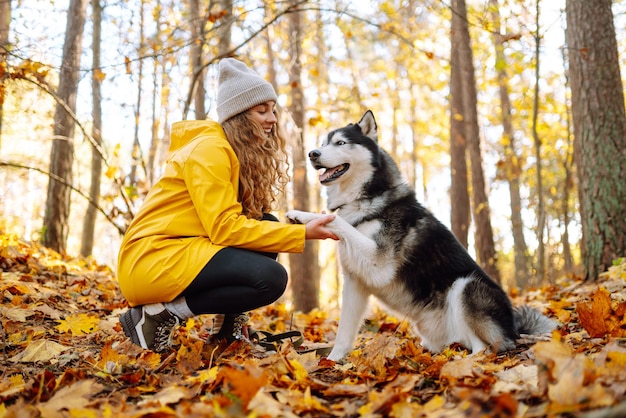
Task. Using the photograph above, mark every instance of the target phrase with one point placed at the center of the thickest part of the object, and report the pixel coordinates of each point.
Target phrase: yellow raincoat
(189, 215)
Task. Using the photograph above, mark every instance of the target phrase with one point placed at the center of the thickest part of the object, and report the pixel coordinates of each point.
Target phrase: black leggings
(237, 280)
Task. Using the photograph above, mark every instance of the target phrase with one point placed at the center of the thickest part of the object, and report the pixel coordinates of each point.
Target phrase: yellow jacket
(189, 215)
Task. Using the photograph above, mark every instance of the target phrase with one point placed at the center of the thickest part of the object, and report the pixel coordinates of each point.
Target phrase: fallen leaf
(457, 369)
(374, 356)
(573, 377)
(48, 311)
(72, 397)
(396, 391)
(80, 324)
(519, 378)
(16, 314)
(263, 404)
(434, 404)
(170, 395)
(12, 385)
(40, 351)
(244, 382)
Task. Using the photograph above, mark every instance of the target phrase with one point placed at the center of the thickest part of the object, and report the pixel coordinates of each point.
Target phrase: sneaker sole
(126, 321)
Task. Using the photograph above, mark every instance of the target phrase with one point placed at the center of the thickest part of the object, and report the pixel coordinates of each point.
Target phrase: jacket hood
(184, 132)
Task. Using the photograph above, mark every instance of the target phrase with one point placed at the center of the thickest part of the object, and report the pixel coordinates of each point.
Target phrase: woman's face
(265, 115)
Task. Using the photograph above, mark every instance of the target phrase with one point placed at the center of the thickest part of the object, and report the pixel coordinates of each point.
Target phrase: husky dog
(393, 248)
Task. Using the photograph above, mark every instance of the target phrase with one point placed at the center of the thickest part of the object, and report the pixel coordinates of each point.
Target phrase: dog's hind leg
(354, 304)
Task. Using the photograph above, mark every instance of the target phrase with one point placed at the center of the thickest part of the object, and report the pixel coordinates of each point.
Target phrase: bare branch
(91, 140)
(291, 9)
(60, 180)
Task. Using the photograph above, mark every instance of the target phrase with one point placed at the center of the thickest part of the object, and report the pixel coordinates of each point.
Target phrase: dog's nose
(314, 155)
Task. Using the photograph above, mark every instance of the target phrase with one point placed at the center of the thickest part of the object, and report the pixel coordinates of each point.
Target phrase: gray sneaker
(149, 331)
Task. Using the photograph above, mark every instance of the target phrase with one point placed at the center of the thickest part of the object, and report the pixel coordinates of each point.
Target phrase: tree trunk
(5, 24)
(225, 29)
(268, 38)
(155, 141)
(89, 223)
(459, 191)
(512, 166)
(568, 184)
(599, 131)
(568, 259)
(137, 157)
(304, 267)
(485, 248)
(198, 69)
(541, 211)
(56, 218)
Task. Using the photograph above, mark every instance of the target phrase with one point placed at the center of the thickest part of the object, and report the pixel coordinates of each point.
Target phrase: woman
(203, 241)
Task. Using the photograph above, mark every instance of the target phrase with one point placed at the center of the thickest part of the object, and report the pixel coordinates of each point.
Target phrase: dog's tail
(529, 320)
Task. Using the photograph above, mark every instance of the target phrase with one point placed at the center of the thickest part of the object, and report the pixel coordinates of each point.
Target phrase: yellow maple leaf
(311, 403)
(298, 370)
(616, 271)
(80, 324)
(11, 386)
(435, 403)
(111, 172)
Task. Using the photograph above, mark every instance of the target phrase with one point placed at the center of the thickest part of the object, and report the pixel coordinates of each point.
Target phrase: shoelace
(163, 334)
(239, 323)
(218, 322)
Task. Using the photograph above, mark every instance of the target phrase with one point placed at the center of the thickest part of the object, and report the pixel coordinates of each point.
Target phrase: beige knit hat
(239, 88)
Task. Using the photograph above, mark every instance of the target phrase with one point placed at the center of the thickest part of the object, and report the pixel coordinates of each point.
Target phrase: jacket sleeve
(212, 178)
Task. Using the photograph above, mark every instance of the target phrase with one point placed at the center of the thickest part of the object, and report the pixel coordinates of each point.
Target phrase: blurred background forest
(481, 125)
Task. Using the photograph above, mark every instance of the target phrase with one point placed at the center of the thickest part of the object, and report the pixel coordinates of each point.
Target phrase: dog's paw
(300, 217)
(292, 217)
(337, 354)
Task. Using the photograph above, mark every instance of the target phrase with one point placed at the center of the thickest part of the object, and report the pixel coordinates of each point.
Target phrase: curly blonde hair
(263, 163)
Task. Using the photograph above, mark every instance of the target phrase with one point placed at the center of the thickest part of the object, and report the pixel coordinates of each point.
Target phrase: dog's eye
(341, 142)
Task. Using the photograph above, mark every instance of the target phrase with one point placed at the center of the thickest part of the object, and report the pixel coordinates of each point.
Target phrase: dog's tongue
(328, 173)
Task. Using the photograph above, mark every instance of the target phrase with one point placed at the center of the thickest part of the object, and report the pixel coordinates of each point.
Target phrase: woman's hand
(317, 229)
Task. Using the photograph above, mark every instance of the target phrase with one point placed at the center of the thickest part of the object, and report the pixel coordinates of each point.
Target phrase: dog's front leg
(353, 305)
(301, 217)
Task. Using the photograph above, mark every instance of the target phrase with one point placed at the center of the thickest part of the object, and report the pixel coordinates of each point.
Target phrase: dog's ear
(368, 125)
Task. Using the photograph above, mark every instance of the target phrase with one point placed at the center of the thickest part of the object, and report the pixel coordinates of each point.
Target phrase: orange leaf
(244, 383)
(596, 316)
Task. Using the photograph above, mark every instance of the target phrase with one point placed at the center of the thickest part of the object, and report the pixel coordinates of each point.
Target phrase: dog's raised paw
(292, 217)
(301, 217)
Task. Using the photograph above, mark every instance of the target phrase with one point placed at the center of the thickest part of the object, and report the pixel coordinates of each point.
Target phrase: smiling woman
(204, 241)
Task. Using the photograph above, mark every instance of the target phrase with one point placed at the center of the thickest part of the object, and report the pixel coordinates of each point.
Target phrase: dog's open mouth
(334, 173)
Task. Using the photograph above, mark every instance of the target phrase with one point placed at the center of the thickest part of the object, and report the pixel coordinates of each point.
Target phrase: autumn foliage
(64, 354)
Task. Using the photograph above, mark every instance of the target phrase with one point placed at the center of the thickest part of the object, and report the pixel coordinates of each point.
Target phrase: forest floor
(63, 354)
